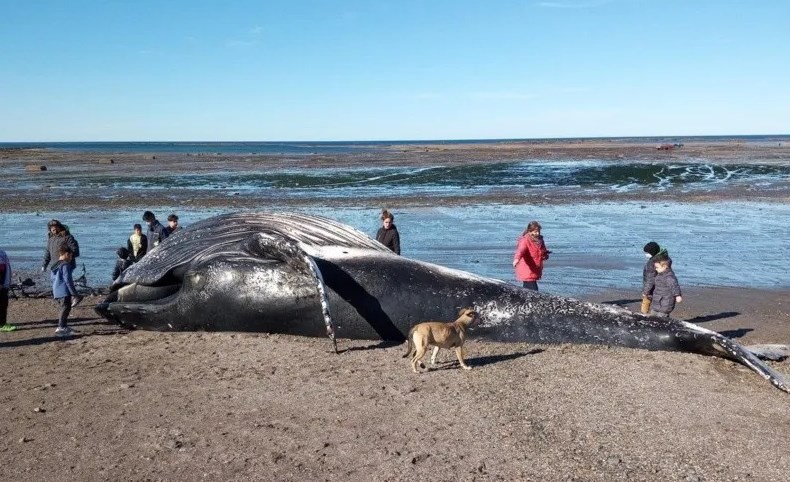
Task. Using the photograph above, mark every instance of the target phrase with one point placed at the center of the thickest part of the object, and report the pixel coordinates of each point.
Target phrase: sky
(199, 70)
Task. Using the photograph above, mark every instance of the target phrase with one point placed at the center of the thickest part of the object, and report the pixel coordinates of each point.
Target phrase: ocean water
(595, 245)
(578, 177)
(334, 147)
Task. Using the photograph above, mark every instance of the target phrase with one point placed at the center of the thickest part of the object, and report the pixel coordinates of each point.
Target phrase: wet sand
(22, 167)
(116, 405)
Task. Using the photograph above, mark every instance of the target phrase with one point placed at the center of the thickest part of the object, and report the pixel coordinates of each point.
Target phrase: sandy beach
(116, 405)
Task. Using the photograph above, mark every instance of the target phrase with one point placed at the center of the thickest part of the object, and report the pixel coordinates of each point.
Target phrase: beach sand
(116, 405)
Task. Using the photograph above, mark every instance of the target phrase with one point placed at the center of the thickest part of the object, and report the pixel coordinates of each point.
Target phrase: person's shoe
(77, 300)
(7, 327)
(64, 331)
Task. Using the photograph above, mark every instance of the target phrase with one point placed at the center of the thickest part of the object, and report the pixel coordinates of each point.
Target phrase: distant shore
(24, 171)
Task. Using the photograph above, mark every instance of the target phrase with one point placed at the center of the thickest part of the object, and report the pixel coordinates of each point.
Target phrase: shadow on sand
(480, 361)
(735, 333)
(622, 302)
(717, 316)
(48, 339)
(376, 346)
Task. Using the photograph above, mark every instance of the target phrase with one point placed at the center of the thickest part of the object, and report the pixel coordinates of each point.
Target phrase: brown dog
(440, 335)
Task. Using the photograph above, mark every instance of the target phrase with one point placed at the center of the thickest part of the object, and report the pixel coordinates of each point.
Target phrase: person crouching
(63, 289)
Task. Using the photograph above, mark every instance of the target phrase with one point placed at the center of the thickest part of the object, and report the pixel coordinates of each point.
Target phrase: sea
(596, 245)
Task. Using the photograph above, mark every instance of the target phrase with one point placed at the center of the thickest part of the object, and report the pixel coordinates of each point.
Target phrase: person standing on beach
(666, 290)
(5, 286)
(137, 244)
(58, 237)
(172, 224)
(652, 252)
(530, 254)
(63, 289)
(388, 234)
(156, 232)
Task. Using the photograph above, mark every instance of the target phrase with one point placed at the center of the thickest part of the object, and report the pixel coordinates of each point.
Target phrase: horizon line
(470, 139)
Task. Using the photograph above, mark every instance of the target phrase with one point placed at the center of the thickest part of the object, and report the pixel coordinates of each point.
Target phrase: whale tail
(750, 359)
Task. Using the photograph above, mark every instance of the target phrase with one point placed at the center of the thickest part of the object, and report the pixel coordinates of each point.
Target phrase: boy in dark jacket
(653, 252)
(121, 263)
(137, 244)
(667, 290)
(63, 289)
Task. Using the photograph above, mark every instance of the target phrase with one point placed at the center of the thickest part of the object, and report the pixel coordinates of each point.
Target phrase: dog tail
(410, 343)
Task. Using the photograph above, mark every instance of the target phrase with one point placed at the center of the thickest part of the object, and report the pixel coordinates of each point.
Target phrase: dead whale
(309, 275)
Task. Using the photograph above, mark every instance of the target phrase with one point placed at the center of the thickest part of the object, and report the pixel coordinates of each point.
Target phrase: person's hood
(662, 253)
(58, 264)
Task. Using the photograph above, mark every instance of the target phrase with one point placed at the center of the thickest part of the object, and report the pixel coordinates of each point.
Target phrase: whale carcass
(309, 275)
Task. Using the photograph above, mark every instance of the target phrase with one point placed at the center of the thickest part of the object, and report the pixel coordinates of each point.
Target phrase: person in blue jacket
(63, 289)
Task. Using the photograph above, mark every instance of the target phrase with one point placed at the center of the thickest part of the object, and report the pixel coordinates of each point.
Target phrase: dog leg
(459, 352)
(420, 352)
(433, 356)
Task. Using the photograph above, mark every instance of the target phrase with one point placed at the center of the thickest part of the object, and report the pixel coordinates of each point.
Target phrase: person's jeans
(65, 309)
(531, 285)
(3, 306)
(658, 314)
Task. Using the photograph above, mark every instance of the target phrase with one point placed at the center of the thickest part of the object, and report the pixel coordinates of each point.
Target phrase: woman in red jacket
(530, 253)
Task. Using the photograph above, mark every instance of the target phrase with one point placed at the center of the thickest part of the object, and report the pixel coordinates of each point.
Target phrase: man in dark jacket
(388, 233)
(156, 232)
(58, 237)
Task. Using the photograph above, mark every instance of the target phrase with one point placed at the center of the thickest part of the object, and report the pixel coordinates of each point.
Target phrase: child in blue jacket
(63, 289)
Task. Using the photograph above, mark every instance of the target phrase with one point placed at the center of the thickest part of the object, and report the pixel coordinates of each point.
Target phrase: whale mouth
(132, 305)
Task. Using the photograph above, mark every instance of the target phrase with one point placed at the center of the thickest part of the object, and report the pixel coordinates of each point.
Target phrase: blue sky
(381, 70)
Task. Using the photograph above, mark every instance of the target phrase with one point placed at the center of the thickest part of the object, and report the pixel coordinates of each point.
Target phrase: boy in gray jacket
(667, 289)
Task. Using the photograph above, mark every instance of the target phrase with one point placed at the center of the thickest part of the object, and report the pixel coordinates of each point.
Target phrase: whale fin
(294, 253)
(771, 352)
(747, 357)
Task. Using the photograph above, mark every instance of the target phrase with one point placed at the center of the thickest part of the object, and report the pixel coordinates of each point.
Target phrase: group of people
(60, 257)
(660, 288)
(138, 243)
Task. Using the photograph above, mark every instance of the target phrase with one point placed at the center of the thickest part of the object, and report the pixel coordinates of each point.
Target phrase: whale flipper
(273, 245)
